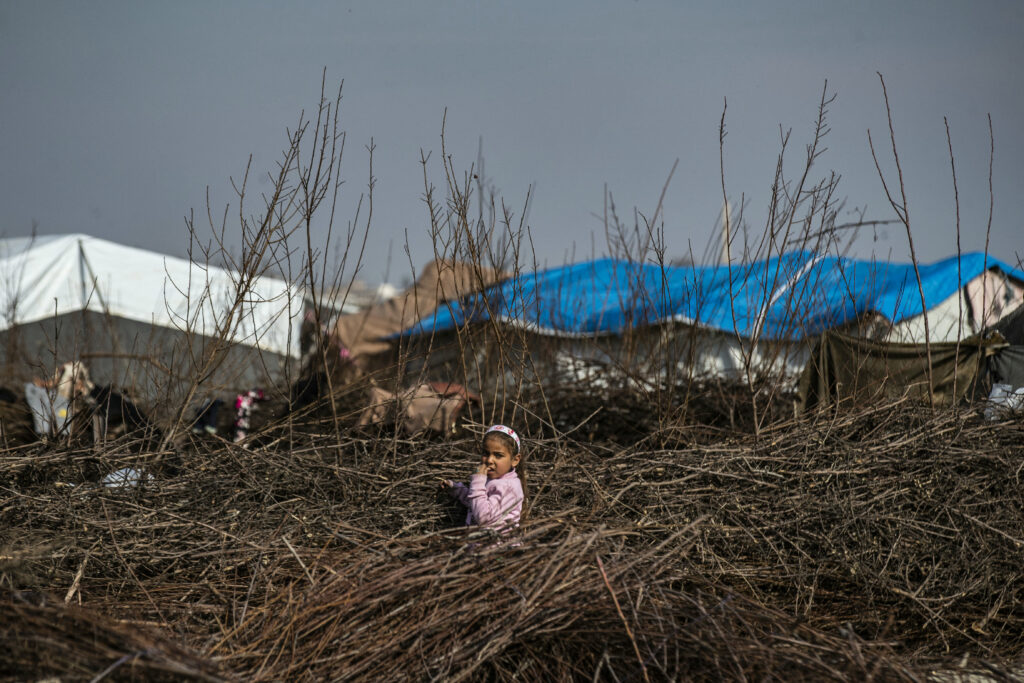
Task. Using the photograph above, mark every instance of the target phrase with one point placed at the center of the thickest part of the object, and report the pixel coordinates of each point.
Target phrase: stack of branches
(554, 604)
(678, 416)
(41, 639)
(882, 541)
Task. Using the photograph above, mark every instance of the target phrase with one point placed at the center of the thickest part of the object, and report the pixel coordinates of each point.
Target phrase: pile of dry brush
(874, 543)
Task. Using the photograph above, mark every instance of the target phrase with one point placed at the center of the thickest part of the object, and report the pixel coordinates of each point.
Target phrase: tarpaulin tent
(790, 297)
(66, 296)
(760, 316)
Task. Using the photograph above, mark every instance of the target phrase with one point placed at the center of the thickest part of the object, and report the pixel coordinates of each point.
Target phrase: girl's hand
(482, 469)
(446, 483)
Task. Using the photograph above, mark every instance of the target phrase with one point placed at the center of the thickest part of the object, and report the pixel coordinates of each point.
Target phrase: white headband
(507, 431)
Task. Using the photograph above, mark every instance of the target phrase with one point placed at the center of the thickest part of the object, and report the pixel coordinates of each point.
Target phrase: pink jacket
(493, 503)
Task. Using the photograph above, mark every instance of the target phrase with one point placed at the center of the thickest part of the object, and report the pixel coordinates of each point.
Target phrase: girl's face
(498, 458)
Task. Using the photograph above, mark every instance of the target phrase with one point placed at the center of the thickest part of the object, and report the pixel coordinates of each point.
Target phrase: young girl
(495, 494)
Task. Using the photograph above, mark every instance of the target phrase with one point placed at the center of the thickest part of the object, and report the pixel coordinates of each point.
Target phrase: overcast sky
(116, 116)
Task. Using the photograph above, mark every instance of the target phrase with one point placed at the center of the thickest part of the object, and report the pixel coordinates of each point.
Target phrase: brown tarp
(853, 369)
(361, 333)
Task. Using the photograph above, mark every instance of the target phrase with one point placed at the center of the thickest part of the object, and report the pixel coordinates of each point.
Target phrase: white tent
(141, 320)
(48, 276)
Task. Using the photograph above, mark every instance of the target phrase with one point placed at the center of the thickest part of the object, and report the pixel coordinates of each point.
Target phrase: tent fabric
(948, 321)
(845, 368)
(790, 297)
(365, 333)
(49, 276)
(1012, 327)
(669, 352)
(1007, 366)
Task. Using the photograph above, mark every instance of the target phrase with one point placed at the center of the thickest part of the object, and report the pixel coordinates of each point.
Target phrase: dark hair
(514, 449)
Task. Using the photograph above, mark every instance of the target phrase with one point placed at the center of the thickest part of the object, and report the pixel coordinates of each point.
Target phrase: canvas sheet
(852, 369)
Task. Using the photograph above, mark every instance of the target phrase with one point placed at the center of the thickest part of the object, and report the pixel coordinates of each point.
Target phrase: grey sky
(116, 116)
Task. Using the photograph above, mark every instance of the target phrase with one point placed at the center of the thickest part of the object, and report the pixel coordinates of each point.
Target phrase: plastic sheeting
(48, 276)
(791, 297)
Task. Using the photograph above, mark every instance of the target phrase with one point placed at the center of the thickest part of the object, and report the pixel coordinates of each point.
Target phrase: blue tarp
(795, 295)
